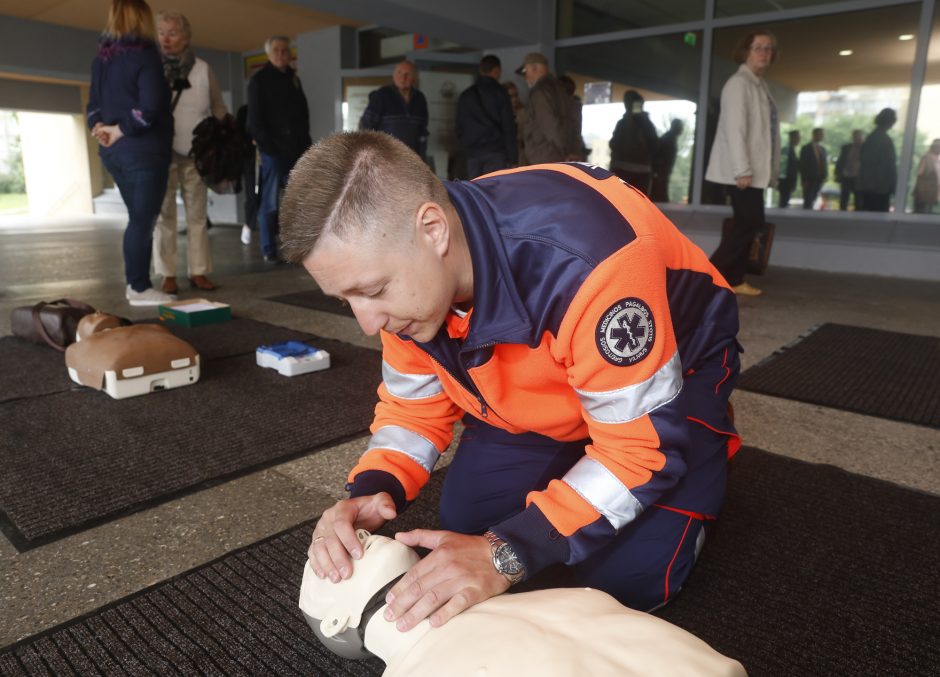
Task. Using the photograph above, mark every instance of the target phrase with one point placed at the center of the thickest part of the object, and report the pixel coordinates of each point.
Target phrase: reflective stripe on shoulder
(598, 486)
(419, 449)
(630, 403)
(410, 386)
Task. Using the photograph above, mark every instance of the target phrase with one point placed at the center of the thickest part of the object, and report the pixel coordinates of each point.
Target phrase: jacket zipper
(484, 407)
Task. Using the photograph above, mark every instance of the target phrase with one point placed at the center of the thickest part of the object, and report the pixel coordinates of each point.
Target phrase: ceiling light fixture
(845, 52)
(906, 36)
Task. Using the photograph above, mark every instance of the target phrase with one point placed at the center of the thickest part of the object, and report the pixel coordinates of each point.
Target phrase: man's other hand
(334, 538)
(457, 574)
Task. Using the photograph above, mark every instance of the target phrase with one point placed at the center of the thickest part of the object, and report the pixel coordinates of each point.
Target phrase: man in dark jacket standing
(279, 121)
(791, 169)
(550, 133)
(486, 127)
(814, 167)
(400, 110)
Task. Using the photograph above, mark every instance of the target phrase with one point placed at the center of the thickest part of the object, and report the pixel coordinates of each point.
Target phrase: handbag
(53, 322)
(218, 150)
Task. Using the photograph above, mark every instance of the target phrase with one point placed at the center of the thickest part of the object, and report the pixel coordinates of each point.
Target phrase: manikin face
(404, 76)
(760, 54)
(403, 288)
(279, 56)
(171, 37)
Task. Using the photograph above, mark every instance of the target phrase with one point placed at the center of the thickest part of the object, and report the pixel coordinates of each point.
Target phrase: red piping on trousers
(734, 444)
(724, 363)
(701, 517)
(674, 555)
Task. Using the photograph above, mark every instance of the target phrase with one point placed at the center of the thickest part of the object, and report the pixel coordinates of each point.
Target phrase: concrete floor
(82, 259)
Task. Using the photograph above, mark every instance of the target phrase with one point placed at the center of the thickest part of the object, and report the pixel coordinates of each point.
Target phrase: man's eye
(376, 293)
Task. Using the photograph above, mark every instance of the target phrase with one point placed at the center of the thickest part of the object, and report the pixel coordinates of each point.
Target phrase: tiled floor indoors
(81, 258)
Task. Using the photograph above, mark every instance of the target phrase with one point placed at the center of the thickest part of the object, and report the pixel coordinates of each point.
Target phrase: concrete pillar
(321, 55)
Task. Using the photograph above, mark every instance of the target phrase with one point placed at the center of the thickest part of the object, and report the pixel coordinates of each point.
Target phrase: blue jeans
(274, 173)
(141, 178)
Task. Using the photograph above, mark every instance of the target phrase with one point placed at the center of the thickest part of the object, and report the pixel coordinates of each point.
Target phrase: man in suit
(847, 168)
(791, 169)
(814, 167)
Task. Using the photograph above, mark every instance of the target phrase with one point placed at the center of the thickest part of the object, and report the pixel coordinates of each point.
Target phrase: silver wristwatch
(505, 559)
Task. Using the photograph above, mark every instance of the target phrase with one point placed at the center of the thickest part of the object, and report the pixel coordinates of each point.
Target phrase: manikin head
(375, 228)
(341, 613)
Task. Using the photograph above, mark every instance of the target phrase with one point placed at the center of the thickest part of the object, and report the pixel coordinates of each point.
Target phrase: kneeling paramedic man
(587, 345)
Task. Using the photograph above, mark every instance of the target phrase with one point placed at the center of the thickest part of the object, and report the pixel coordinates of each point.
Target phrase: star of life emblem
(626, 332)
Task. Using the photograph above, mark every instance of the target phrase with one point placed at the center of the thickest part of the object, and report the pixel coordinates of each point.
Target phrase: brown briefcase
(759, 254)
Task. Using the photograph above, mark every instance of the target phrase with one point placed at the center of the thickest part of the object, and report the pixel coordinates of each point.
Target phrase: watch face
(506, 560)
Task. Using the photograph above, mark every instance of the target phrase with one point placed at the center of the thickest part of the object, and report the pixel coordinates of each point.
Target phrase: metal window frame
(709, 23)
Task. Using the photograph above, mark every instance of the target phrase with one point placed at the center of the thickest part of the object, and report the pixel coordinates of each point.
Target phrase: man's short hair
(269, 43)
(362, 183)
(179, 18)
(793, 133)
(489, 63)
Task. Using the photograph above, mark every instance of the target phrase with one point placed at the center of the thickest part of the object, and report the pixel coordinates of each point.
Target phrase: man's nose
(367, 317)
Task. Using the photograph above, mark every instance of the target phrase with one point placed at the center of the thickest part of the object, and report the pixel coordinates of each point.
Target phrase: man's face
(760, 54)
(402, 288)
(533, 72)
(171, 37)
(404, 76)
(279, 56)
(818, 136)
(857, 137)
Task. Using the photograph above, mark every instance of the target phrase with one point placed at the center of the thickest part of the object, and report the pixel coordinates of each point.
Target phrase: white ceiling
(228, 25)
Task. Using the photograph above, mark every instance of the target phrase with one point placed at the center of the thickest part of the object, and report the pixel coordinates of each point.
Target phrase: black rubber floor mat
(77, 458)
(316, 300)
(867, 371)
(811, 570)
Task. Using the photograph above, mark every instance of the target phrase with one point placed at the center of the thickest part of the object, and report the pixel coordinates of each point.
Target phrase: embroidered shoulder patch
(625, 332)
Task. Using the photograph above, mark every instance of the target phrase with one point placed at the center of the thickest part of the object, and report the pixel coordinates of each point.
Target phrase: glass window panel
(591, 17)
(663, 69)
(834, 73)
(926, 163)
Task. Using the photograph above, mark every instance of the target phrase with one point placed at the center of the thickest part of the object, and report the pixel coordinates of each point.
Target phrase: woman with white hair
(196, 95)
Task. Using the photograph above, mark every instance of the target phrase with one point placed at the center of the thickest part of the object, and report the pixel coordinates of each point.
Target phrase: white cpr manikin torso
(559, 632)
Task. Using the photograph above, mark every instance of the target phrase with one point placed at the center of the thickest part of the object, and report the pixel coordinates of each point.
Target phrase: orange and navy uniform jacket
(593, 319)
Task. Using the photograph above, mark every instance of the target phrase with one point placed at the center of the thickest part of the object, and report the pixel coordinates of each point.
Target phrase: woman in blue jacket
(129, 113)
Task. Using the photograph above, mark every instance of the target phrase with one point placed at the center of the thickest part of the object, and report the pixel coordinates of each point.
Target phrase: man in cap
(550, 130)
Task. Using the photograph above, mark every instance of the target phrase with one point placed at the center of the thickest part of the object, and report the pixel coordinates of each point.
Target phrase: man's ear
(432, 225)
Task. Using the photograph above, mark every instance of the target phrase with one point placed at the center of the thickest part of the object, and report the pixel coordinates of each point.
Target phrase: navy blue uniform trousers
(493, 471)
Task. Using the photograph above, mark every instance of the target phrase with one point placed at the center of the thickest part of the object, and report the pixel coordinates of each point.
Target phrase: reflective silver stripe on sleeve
(598, 486)
(627, 404)
(410, 386)
(419, 449)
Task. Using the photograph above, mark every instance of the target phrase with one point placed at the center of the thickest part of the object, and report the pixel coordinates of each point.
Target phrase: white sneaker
(246, 235)
(148, 297)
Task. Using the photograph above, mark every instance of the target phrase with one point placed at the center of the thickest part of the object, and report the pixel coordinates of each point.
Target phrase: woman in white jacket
(746, 153)
(196, 95)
